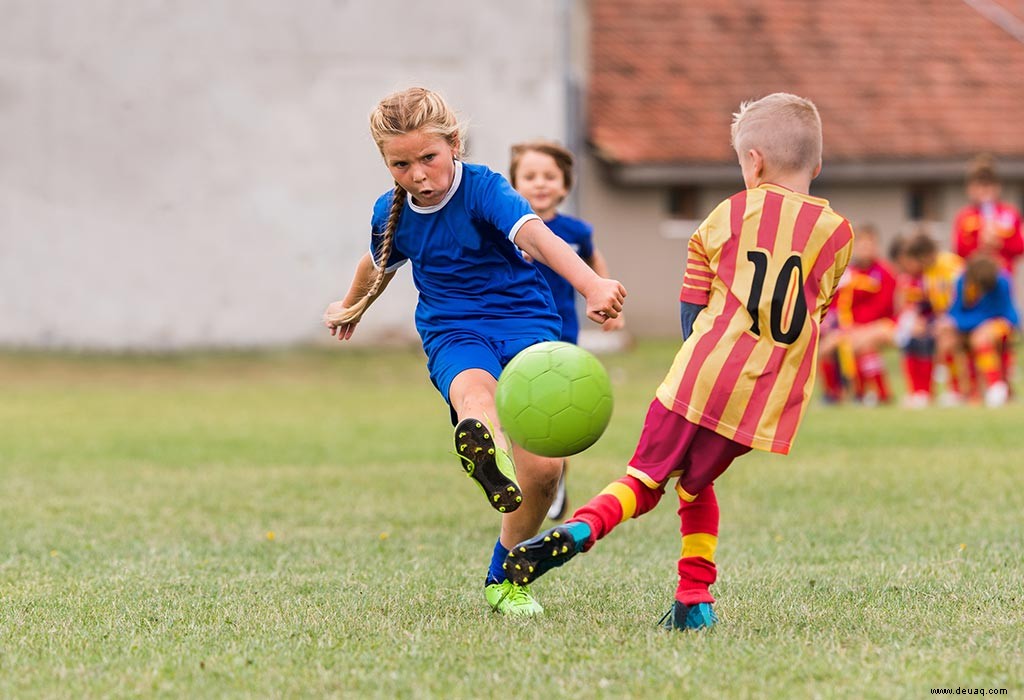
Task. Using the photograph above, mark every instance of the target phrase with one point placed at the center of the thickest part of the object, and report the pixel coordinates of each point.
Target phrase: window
(682, 203)
(683, 217)
(922, 203)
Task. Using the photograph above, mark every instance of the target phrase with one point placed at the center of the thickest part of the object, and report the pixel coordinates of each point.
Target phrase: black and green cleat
(488, 465)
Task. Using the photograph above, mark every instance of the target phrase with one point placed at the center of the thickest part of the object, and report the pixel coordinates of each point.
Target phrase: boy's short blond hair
(785, 128)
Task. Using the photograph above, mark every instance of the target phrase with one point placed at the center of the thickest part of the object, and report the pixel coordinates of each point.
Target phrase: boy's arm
(604, 297)
(1013, 246)
(687, 315)
(363, 279)
(696, 284)
(958, 234)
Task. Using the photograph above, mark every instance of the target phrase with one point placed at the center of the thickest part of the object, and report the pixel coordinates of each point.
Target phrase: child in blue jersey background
(462, 226)
(542, 171)
(984, 320)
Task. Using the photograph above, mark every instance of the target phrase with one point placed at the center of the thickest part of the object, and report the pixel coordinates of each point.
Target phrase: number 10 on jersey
(793, 314)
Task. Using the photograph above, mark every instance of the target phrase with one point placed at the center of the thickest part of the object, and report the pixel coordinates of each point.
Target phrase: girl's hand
(604, 300)
(342, 330)
(614, 324)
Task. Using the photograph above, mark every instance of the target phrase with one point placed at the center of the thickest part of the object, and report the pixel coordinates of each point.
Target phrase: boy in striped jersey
(760, 274)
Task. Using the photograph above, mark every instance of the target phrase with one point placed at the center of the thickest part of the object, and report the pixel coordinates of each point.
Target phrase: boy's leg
(621, 500)
(833, 381)
(709, 456)
(660, 455)
(986, 343)
(871, 370)
(698, 524)
(698, 517)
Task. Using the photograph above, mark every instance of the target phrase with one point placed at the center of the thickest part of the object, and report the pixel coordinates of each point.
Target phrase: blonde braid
(352, 314)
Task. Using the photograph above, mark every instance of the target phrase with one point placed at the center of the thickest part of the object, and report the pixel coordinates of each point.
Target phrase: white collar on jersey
(440, 205)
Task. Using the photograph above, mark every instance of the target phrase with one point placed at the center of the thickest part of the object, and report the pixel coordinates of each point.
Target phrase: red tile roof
(893, 79)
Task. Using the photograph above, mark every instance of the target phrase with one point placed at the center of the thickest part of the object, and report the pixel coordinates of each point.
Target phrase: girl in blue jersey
(479, 303)
(542, 172)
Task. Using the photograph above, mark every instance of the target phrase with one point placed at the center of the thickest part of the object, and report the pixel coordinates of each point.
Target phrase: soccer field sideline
(292, 524)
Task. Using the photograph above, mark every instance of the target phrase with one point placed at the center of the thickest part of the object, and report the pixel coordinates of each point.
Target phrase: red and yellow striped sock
(620, 500)
(699, 526)
(954, 385)
(989, 365)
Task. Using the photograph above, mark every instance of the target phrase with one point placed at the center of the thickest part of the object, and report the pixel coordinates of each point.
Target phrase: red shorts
(672, 446)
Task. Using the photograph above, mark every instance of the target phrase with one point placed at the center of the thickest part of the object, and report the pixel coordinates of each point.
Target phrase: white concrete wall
(178, 174)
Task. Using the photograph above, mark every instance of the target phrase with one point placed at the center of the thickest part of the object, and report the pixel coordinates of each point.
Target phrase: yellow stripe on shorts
(685, 495)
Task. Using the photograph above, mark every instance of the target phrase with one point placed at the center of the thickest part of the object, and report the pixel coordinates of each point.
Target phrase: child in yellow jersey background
(925, 290)
(760, 274)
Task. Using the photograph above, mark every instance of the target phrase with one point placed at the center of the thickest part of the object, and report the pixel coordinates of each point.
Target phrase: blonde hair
(413, 109)
(562, 156)
(785, 128)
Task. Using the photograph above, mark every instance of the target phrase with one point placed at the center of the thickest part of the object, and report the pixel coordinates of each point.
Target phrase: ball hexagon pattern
(554, 399)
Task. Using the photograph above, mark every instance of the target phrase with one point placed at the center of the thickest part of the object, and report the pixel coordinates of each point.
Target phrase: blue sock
(496, 574)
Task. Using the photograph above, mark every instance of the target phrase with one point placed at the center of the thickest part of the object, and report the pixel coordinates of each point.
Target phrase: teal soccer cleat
(689, 617)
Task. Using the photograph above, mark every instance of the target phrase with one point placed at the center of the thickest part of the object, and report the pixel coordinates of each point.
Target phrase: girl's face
(540, 180)
(422, 163)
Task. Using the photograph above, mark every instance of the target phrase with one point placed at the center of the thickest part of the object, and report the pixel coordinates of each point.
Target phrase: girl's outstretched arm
(338, 316)
(604, 296)
(600, 266)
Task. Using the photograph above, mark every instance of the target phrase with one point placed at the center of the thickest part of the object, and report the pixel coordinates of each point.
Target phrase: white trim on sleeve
(389, 268)
(519, 224)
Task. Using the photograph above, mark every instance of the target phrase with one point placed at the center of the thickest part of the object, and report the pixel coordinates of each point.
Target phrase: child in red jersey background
(860, 324)
(760, 274)
(987, 224)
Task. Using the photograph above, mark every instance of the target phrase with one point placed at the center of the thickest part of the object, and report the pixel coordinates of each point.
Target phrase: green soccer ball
(554, 399)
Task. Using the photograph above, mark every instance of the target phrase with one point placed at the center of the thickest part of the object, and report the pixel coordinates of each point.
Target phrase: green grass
(292, 525)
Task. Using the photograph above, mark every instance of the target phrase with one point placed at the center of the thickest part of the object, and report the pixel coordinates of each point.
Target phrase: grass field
(293, 525)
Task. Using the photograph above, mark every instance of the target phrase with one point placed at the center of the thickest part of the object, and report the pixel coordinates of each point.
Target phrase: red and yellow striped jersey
(932, 292)
(766, 263)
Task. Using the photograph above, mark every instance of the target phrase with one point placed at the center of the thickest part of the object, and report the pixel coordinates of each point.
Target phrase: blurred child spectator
(925, 292)
(987, 224)
(861, 322)
(984, 319)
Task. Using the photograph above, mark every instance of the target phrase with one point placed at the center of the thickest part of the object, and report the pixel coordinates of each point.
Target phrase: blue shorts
(453, 352)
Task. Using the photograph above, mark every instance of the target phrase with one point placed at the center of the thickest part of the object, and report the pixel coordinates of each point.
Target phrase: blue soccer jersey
(580, 237)
(465, 265)
(998, 303)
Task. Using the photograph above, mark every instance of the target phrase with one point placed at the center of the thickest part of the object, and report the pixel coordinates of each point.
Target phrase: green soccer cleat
(529, 560)
(689, 617)
(488, 465)
(510, 599)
